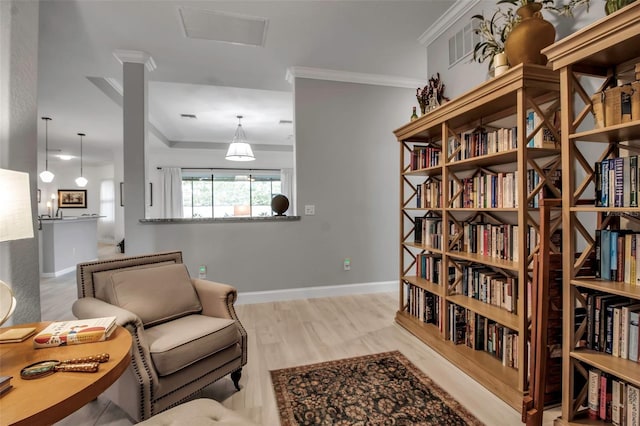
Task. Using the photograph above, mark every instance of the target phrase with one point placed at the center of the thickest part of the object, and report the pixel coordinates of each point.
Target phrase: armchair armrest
(90, 307)
(217, 299)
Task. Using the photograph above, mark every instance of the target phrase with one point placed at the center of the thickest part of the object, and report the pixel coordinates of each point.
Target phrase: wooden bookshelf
(600, 50)
(499, 102)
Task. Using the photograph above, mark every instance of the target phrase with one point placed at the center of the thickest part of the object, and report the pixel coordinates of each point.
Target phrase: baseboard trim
(251, 297)
(58, 273)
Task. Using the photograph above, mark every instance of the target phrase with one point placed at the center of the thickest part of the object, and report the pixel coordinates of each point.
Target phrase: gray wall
(18, 143)
(347, 166)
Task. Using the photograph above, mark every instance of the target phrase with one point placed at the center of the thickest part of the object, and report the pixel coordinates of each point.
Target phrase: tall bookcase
(472, 173)
(594, 54)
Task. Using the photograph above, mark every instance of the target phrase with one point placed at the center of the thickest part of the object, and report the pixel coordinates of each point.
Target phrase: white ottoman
(199, 412)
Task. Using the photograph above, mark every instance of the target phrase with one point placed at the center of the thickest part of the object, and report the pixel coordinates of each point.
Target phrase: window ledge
(224, 219)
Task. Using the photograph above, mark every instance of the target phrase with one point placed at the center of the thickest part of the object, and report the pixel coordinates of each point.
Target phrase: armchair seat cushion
(176, 344)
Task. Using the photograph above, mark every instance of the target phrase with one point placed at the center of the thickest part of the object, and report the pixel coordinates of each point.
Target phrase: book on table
(16, 335)
(73, 332)
(5, 384)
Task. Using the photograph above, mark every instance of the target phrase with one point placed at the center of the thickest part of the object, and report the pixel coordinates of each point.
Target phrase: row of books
(480, 333)
(429, 194)
(496, 241)
(553, 177)
(488, 286)
(485, 190)
(428, 231)
(484, 141)
(429, 267)
(422, 304)
(612, 325)
(423, 157)
(545, 137)
(488, 190)
(616, 256)
(616, 182)
(612, 400)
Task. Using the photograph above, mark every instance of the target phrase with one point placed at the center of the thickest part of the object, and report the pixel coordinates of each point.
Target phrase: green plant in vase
(493, 33)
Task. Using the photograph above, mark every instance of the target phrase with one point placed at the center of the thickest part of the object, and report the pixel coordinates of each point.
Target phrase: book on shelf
(618, 400)
(73, 332)
(634, 319)
(544, 138)
(616, 182)
(625, 312)
(605, 397)
(16, 335)
(633, 405)
(593, 394)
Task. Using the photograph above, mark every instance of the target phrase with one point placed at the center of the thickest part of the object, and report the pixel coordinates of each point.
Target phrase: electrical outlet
(202, 272)
(309, 209)
(347, 264)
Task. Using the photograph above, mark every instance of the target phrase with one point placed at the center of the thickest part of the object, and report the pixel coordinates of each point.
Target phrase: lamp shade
(47, 176)
(239, 149)
(16, 220)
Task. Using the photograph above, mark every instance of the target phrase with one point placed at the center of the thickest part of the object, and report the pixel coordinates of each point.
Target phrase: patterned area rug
(381, 389)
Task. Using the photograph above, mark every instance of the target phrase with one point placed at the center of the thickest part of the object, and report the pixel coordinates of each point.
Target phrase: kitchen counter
(66, 242)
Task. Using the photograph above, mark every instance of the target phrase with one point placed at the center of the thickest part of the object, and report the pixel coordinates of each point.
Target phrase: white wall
(18, 143)
(347, 166)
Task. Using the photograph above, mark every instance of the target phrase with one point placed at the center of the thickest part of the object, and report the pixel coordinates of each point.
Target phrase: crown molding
(135, 56)
(352, 77)
(450, 17)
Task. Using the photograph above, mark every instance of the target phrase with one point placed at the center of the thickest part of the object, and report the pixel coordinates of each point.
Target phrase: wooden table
(48, 399)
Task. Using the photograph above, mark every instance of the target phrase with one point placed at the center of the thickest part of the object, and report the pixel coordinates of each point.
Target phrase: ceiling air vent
(189, 116)
(223, 26)
(286, 122)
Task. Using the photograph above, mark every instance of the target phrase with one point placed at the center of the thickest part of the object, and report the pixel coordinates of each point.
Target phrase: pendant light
(46, 176)
(239, 150)
(81, 181)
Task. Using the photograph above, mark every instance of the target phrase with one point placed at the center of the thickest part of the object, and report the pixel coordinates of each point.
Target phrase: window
(462, 43)
(229, 193)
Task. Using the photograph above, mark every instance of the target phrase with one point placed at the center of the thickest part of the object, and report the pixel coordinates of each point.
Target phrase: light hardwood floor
(285, 334)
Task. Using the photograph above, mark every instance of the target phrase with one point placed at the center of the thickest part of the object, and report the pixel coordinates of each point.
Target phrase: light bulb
(81, 182)
(47, 176)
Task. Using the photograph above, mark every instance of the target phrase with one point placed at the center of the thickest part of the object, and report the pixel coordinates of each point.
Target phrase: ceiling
(79, 77)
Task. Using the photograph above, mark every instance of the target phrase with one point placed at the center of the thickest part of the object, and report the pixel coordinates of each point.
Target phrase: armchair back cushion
(156, 295)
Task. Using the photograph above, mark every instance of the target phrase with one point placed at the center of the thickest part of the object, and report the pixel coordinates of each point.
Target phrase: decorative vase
(500, 64)
(529, 37)
(279, 204)
(611, 6)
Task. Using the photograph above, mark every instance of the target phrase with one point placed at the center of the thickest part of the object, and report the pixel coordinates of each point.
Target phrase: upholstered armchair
(186, 334)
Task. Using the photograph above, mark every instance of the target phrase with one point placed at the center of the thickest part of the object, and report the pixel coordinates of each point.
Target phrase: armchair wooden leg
(235, 376)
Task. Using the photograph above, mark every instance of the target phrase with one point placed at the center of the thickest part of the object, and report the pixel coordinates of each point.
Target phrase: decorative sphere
(279, 204)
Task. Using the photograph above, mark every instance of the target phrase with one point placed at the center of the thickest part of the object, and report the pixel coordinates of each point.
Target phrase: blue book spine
(530, 127)
(633, 336)
(613, 255)
(605, 254)
(604, 175)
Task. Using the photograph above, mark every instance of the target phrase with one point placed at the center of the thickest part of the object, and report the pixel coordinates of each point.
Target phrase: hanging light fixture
(240, 150)
(46, 176)
(81, 181)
